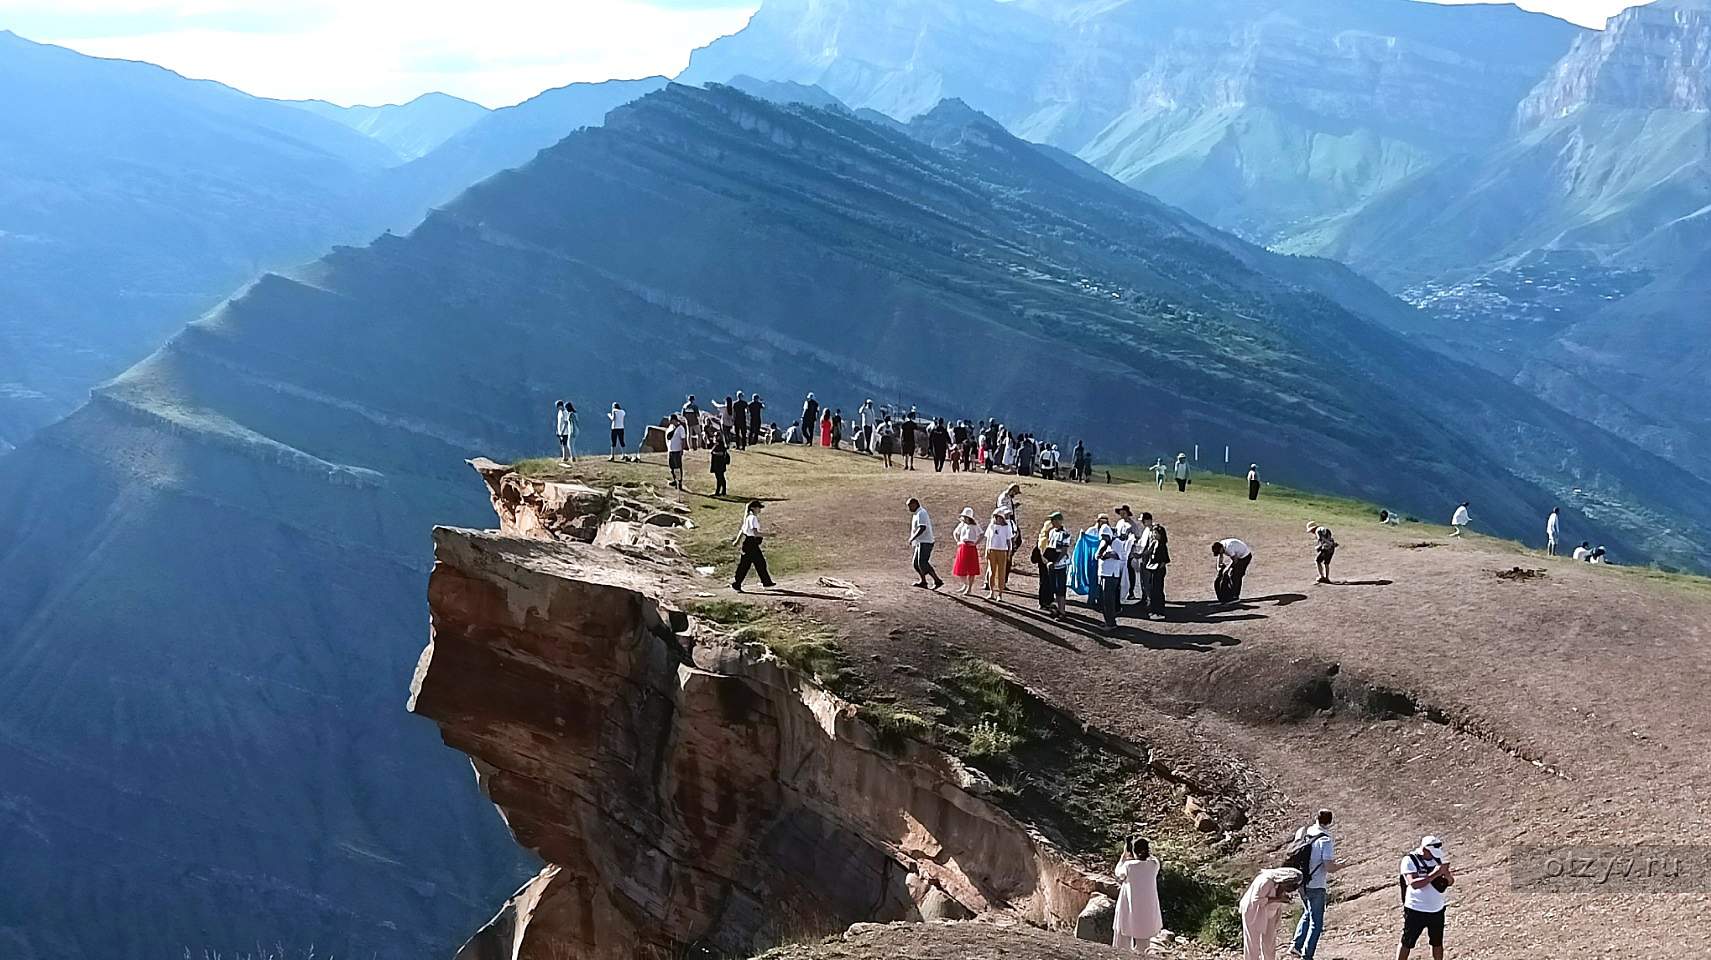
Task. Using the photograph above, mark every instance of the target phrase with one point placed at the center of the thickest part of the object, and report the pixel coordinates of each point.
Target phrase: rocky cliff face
(687, 792)
(1652, 57)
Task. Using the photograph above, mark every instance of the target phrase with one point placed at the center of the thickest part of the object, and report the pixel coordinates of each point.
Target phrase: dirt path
(1420, 694)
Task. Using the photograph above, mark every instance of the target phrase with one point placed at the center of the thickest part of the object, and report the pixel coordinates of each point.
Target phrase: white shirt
(1182, 469)
(1460, 519)
(1324, 851)
(1236, 549)
(563, 422)
(1581, 553)
(1550, 523)
(922, 525)
(1006, 504)
(751, 525)
(967, 532)
(1059, 540)
(999, 536)
(675, 438)
(1125, 529)
(1111, 562)
(1424, 899)
(1253, 475)
(1160, 471)
(617, 418)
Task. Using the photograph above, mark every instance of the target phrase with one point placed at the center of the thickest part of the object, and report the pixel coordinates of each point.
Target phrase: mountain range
(1538, 189)
(205, 650)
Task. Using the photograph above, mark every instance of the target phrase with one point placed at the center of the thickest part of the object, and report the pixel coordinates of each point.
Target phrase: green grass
(801, 644)
(1274, 499)
(896, 725)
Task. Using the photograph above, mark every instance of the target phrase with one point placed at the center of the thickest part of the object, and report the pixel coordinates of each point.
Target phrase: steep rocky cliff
(688, 792)
(1656, 56)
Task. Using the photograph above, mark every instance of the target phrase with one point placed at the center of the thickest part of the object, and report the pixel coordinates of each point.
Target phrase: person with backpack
(692, 422)
(1261, 906)
(1318, 860)
(1233, 558)
(1425, 877)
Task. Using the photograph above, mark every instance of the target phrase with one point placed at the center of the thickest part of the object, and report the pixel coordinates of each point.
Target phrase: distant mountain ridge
(412, 129)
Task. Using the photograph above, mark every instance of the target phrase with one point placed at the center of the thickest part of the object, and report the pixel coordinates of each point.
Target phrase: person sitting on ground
(1598, 555)
(1461, 519)
(1583, 552)
(1389, 518)
(1233, 556)
(1324, 548)
(1137, 918)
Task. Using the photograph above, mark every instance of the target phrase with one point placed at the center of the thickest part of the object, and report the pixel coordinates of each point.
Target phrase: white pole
(1226, 454)
(1197, 453)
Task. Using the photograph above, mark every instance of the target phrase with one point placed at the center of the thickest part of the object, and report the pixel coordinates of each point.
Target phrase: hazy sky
(495, 52)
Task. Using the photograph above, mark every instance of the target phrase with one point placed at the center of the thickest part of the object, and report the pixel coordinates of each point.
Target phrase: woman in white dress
(1137, 919)
(1261, 907)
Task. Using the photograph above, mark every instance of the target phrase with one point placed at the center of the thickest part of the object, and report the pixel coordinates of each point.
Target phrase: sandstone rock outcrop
(691, 795)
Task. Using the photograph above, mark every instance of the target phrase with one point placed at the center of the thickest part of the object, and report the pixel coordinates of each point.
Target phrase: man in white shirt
(1583, 552)
(1182, 473)
(676, 438)
(1234, 555)
(921, 539)
(616, 417)
(1113, 559)
(1321, 863)
(1426, 875)
(1552, 525)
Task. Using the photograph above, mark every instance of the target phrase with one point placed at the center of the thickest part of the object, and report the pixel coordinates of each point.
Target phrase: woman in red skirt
(826, 429)
(966, 566)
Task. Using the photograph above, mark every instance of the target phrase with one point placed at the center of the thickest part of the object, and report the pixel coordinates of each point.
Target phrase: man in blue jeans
(1321, 863)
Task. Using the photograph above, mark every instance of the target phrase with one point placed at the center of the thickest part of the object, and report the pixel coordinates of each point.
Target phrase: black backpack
(1298, 854)
(1223, 588)
(1418, 865)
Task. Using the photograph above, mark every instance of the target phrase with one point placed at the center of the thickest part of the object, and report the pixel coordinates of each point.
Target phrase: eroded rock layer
(689, 793)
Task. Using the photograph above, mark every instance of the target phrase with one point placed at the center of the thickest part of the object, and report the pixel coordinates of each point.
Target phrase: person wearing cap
(1321, 863)
(921, 539)
(966, 565)
(1056, 548)
(1000, 543)
(1253, 481)
(749, 537)
(1425, 877)
(1182, 473)
(1261, 906)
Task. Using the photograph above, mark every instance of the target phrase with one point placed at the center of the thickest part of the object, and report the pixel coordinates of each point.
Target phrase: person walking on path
(1157, 564)
(939, 443)
(749, 539)
(757, 406)
(1160, 472)
(1057, 552)
(1321, 863)
(676, 438)
(566, 427)
(921, 540)
(1138, 918)
(615, 417)
(1000, 543)
(909, 428)
(692, 418)
(1324, 548)
(1425, 878)
(1460, 519)
(1553, 526)
(1261, 906)
(1182, 473)
(965, 566)
(719, 462)
(1253, 481)
(1233, 558)
(1113, 561)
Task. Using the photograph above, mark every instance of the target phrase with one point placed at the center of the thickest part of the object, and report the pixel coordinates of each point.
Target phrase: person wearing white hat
(1182, 473)
(966, 565)
(1424, 875)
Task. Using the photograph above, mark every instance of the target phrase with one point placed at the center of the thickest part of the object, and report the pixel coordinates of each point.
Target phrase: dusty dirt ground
(962, 941)
(1419, 693)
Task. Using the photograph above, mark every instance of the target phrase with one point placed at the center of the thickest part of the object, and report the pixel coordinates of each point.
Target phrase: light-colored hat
(1182, 456)
(968, 513)
(1432, 843)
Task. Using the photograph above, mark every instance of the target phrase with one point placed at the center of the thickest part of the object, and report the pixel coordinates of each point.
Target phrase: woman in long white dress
(1261, 906)
(1137, 919)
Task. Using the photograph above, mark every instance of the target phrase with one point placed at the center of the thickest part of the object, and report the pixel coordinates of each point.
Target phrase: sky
(495, 52)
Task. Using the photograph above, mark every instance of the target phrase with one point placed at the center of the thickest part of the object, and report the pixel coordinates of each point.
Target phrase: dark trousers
(923, 563)
(1253, 489)
(754, 431)
(1155, 591)
(752, 557)
(1181, 485)
(719, 484)
(938, 460)
(1111, 598)
(1238, 570)
(1047, 595)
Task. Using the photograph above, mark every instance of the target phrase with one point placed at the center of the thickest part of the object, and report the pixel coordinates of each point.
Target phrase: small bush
(987, 741)
(895, 725)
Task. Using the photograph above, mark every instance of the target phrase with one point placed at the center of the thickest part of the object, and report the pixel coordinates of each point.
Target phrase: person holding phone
(1138, 918)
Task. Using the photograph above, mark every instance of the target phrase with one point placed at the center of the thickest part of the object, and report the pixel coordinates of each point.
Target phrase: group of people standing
(1423, 878)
